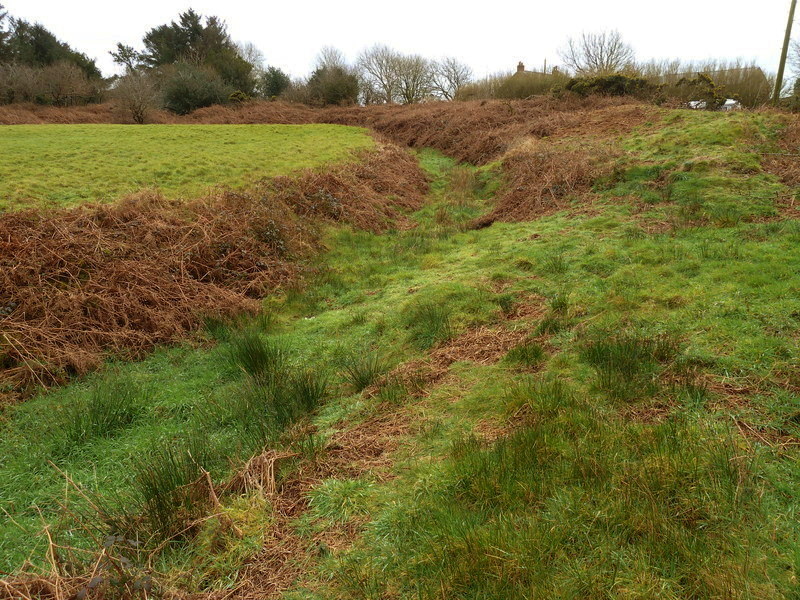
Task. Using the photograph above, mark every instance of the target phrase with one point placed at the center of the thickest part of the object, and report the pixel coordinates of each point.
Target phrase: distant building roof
(521, 70)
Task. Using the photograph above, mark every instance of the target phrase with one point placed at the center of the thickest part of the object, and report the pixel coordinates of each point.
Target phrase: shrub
(333, 85)
(613, 85)
(60, 84)
(525, 85)
(238, 97)
(187, 87)
(273, 83)
(136, 92)
(704, 90)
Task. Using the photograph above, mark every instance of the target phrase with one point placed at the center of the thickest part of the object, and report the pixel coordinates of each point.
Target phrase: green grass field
(70, 164)
(639, 441)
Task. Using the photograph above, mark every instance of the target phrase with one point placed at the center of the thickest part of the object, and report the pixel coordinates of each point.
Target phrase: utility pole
(779, 79)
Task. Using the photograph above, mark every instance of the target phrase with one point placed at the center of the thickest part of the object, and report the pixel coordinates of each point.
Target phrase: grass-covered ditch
(634, 436)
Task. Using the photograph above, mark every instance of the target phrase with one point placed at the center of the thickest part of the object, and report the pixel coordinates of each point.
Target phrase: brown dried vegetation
(785, 162)
(77, 285)
(539, 175)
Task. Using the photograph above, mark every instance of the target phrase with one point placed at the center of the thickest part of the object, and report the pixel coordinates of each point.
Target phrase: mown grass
(622, 468)
(72, 164)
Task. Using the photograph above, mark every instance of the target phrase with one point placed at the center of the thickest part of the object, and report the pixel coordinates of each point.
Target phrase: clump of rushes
(257, 357)
(554, 263)
(362, 369)
(559, 302)
(428, 323)
(506, 302)
(528, 354)
(113, 404)
(626, 361)
(265, 407)
(168, 486)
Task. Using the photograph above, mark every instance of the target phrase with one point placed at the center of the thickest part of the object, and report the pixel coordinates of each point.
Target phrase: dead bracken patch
(350, 452)
(728, 394)
(542, 178)
(366, 446)
(649, 412)
(78, 285)
(785, 162)
(482, 346)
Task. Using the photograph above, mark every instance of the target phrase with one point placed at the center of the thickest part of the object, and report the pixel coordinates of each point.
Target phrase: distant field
(71, 164)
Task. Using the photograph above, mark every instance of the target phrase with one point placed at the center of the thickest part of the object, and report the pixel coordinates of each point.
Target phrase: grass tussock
(429, 323)
(627, 361)
(574, 504)
(113, 404)
(257, 357)
(363, 369)
(169, 486)
(529, 354)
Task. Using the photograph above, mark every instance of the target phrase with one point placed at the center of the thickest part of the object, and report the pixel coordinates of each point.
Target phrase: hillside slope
(592, 392)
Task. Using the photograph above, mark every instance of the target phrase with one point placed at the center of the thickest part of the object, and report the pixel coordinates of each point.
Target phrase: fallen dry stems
(78, 285)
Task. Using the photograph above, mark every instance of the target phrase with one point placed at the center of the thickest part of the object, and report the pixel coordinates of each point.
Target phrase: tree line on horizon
(193, 62)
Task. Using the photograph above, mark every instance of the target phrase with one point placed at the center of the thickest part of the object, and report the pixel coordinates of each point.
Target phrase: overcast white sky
(490, 36)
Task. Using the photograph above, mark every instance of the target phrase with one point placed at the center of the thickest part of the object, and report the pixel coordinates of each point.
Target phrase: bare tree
(19, 83)
(448, 76)
(597, 53)
(414, 76)
(330, 57)
(65, 84)
(379, 71)
(367, 93)
(137, 93)
(794, 61)
(253, 56)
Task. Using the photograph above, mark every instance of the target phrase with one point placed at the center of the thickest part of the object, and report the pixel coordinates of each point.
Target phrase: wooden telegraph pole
(779, 79)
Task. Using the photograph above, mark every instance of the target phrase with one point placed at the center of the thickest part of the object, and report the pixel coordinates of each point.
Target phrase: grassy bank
(599, 403)
(70, 164)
